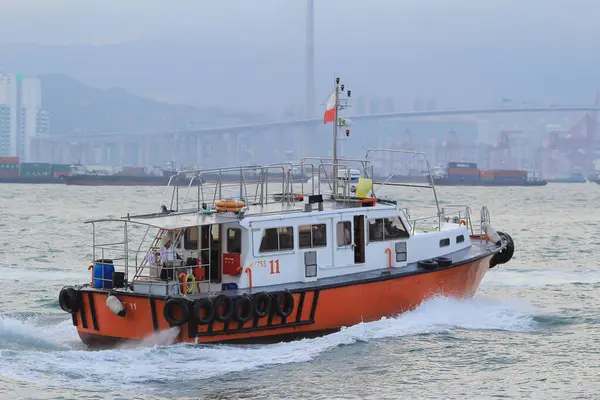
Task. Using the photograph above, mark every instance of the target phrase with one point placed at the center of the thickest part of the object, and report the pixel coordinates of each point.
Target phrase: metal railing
(414, 155)
(234, 182)
(178, 276)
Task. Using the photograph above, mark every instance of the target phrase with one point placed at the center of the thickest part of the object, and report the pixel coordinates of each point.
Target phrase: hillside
(78, 108)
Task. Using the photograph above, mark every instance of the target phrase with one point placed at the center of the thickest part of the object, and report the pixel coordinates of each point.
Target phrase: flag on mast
(329, 115)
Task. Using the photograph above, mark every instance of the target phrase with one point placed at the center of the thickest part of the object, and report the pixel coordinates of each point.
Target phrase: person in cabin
(153, 259)
(167, 253)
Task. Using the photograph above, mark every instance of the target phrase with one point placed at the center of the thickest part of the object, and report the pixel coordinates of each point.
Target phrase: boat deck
(478, 250)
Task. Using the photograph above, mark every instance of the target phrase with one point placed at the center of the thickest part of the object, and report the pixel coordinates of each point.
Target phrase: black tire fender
(443, 261)
(261, 304)
(242, 309)
(209, 310)
(428, 265)
(227, 302)
(68, 299)
(168, 311)
(504, 256)
(284, 303)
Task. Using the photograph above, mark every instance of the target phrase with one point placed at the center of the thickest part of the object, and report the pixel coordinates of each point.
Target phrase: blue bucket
(107, 268)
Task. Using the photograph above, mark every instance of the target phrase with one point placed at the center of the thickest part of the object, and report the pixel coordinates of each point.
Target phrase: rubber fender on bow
(226, 303)
(169, 311)
(261, 304)
(428, 265)
(209, 310)
(443, 261)
(284, 303)
(504, 255)
(242, 309)
(68, 299)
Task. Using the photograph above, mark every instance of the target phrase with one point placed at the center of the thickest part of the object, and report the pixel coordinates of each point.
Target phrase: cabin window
(460, 239)
(344, 233)
(444, 242)
(190, 238)
(310, 236)
(277, 239)
(386, 229)
(234, 240)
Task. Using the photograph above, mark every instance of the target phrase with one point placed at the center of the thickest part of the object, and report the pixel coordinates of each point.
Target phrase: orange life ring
(463, 222)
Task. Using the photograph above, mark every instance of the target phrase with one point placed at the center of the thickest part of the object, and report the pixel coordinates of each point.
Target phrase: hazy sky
(110, 21)
(461, 51)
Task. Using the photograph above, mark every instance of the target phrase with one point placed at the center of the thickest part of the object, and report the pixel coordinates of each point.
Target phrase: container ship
(128, 176)
(573, 178)
(467, 174)
(13, 171)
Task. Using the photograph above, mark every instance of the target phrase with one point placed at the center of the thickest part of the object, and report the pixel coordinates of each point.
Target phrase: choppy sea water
(531, 331)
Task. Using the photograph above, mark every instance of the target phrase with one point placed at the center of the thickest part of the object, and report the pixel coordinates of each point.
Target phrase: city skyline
(21, 114)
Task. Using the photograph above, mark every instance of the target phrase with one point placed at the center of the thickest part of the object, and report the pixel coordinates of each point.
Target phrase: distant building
(21, 114)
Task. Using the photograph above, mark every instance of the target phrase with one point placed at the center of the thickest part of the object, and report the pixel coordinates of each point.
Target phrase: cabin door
(359, 239)
(210, 251)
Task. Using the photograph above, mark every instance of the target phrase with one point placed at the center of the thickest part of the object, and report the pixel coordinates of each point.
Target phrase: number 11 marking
(275, 265)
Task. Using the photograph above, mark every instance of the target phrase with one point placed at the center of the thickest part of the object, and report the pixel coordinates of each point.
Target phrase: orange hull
(316, 311)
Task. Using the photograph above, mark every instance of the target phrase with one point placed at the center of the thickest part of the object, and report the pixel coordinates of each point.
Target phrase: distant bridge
(316, 121)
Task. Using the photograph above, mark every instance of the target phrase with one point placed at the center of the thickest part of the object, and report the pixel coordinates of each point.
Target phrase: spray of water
(152, 360)
(161, 338)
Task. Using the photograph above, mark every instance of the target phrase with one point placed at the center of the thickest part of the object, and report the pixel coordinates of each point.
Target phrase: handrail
(365, 164)
(371, 152)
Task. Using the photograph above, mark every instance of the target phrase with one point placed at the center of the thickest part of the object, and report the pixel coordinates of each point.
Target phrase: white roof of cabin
(256, 213)
(179, 220)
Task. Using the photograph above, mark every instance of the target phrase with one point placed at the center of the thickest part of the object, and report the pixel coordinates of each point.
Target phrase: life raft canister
(234, 206)
(68, 299)
(172, 304)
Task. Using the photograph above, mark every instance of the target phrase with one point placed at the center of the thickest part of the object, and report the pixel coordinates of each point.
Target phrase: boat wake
(538, 278)
(151, 362)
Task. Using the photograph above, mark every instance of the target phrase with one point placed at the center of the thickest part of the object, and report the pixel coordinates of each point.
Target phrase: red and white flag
(329, 115)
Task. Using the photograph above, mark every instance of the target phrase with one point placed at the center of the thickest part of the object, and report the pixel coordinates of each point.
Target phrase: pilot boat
(277, 259)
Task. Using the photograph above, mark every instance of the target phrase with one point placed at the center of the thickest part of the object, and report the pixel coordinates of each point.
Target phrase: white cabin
(280, 238)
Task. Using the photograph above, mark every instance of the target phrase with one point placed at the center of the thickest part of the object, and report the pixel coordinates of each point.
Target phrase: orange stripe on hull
(321, 310)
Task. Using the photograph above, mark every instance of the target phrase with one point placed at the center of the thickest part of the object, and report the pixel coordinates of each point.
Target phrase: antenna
(341, 103)
(310, 60)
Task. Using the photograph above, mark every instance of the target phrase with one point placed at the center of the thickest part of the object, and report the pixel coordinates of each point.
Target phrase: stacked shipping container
(488, 175)
(59, 170)
(463, 171)
(9, 167)
(36, 170)
(133, 171)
